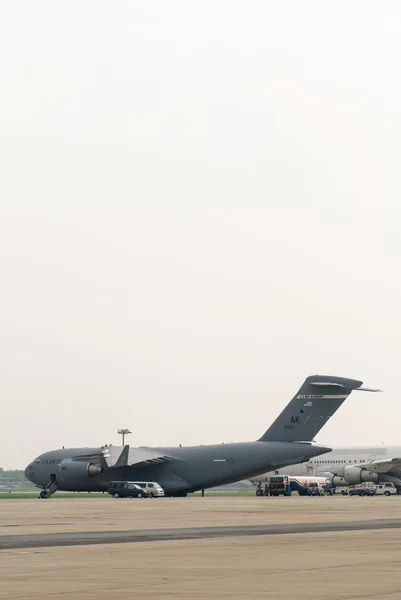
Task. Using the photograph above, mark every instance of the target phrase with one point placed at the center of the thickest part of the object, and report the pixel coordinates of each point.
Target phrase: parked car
(338, 490)
(151, 487)
(126, 489)
(362, 490)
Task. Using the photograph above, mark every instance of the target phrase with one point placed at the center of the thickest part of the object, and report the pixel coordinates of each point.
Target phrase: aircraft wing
(382, 466)
(133, 457)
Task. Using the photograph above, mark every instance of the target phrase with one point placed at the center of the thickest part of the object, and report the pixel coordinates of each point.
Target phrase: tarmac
(333, 548)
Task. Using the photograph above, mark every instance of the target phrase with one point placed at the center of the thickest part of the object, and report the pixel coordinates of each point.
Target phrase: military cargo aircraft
(181, 470)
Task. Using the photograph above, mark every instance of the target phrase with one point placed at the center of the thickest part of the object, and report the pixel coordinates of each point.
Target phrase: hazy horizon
(200, 208)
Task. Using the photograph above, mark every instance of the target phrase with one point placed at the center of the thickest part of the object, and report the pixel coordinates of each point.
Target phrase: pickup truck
(385, 489)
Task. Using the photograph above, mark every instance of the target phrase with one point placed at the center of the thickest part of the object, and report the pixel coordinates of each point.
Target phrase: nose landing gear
(51, 487)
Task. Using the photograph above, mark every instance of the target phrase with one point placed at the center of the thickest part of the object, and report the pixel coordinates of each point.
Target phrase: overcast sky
(200, 207)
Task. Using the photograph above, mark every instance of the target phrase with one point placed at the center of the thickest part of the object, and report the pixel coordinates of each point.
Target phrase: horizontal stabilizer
(340, 385)
(327, 384)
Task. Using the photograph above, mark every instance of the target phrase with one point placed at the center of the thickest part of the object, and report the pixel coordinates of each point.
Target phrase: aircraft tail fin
(317, 400)
(123, 458)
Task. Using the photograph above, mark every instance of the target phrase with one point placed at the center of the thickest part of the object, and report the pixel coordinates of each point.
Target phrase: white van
(151, 487)
(386, 489)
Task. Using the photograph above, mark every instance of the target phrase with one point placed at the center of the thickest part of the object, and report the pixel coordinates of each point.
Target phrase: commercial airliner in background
(187, 469)
(349, 466)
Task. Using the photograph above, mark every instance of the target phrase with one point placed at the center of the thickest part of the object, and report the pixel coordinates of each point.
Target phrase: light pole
(124, 432)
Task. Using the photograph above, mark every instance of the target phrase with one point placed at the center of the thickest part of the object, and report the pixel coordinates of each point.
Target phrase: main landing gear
(262, 492)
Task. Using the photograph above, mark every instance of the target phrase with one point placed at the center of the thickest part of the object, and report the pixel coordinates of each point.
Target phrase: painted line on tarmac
(8, 542)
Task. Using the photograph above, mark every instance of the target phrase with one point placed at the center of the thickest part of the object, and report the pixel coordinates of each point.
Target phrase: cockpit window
(37, 460)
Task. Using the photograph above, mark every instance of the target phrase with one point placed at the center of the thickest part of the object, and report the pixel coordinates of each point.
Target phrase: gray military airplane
(187, 469)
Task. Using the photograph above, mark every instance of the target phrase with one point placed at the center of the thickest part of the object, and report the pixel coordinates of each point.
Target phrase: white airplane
(349, 466)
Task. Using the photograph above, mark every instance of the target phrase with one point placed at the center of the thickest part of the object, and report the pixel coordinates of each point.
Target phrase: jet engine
(337, 481)
(354, 475)
(71, 470)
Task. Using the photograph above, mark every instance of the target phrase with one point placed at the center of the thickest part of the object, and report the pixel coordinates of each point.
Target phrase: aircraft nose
(29, 472)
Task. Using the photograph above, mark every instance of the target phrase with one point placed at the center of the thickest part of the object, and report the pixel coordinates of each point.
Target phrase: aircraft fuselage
(189, 468)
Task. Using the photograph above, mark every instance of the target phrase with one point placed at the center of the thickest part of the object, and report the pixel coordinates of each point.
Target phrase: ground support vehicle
(314, 489)
(385, 489)
(362, 490)
(279, 485)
